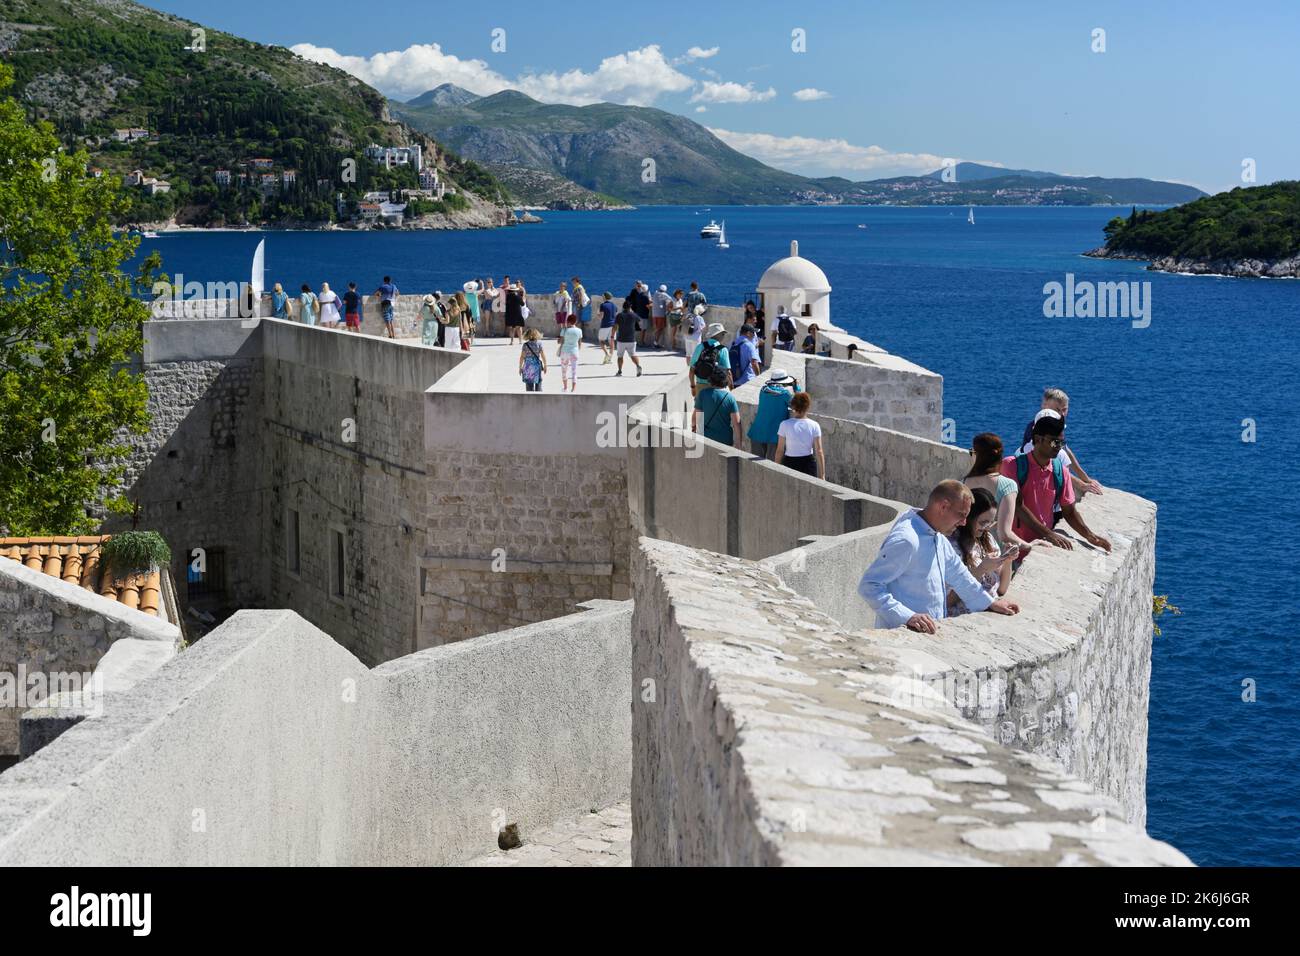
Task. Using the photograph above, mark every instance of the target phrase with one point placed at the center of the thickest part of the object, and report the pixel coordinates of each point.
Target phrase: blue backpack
(1058, 475)
(733, 356)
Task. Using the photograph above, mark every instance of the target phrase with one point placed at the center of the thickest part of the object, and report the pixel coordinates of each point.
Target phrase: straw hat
(471, 286)
(717, 328)
(780, 377)
(428, 300)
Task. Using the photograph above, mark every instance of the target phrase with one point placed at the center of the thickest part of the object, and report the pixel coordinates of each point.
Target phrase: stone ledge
(777, 738)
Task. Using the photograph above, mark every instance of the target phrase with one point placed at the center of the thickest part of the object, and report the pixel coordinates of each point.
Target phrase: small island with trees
(1248, 232)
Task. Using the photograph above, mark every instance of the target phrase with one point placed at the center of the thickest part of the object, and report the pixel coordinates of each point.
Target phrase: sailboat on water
(970, 215)
(722, 236)
(257, 280)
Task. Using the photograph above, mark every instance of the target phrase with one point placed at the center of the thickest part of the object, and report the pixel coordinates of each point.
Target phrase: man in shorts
(608, 312)
(627, 323)
(352, 308)
(387, 292)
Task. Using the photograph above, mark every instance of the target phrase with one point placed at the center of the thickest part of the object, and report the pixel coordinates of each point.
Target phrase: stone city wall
(268, 744)
(196, 475)
(691, 490)
(343, 448)
(54, 628)
(527, 510)
(770, 736)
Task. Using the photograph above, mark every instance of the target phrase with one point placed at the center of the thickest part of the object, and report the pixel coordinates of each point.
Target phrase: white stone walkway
(594, 377)
(595, 839)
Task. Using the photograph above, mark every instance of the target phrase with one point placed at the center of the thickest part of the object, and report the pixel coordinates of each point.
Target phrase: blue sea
(1159, 411)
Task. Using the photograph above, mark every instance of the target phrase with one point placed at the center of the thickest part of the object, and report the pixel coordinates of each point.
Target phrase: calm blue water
(1157, 411)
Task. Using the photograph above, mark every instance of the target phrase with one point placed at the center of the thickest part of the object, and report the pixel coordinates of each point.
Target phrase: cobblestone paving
(596, 839)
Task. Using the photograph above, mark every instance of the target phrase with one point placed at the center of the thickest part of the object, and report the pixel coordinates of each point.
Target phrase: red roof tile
(76, 560)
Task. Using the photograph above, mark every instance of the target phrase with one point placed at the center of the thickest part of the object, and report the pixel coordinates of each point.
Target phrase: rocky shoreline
(1233, 268)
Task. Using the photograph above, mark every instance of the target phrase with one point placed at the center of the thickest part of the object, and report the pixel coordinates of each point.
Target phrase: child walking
(569, 343)
(532, 362)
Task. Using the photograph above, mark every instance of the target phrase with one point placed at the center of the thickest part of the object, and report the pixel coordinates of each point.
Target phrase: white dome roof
(794, 272)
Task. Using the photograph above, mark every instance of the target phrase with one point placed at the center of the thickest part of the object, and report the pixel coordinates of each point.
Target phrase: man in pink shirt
(1044, 481)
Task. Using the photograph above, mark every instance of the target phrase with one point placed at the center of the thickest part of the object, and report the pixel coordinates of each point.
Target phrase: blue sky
(1183, 91)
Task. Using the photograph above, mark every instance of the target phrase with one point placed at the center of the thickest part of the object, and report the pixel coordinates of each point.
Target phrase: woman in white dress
(329, 307)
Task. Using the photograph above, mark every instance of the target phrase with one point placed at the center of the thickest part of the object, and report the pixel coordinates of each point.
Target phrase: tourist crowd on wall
(955, 555)
(958, 553)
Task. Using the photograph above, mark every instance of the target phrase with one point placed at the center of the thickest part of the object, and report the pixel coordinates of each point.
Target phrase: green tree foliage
(1259, 222)
(70, 321)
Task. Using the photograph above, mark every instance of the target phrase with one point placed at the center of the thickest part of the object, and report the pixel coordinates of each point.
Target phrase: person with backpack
(708, 357)
(1055, 399)
(785, 331)
(908, 582)
(532, 361)
(773, 408)
(660, 304)
(692, 330)
(1043, 482)
(743, 357)
(696, 298)
(716, 413)
(431, 321)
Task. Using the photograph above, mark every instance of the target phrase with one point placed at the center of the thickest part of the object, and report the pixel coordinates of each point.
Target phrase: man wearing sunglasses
(1043, 477)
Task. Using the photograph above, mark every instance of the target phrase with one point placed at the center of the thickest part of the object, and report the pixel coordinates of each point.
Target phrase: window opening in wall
(208, 580)
(293, 554)
(339, 563)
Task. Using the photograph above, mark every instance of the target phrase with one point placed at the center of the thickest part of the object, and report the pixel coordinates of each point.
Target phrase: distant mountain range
(602, 149)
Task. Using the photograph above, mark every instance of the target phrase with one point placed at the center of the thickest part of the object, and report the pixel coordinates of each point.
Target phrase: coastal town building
(130, 135)
(151, 185)
(222, 177)
(390, 156)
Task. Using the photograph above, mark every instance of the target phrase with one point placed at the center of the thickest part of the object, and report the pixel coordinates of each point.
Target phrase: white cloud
(711, 92)
(634, 78)
(701, 109)
(697, 53)
(811, 93)
(828, 157)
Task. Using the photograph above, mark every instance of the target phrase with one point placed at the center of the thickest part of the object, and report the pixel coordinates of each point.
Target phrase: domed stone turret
(799, 285)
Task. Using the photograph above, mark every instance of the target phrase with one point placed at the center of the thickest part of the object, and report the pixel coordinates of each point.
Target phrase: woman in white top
(692, 330)
(799, 440)
(329, 307)
(985, 473)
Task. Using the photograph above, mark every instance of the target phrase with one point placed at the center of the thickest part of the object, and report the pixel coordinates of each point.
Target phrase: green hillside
(208, 101)
(603, 148)
(1258, 222)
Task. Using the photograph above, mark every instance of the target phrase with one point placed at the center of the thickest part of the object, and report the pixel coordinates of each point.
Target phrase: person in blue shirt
(908, 583)
(716, 412)
(773, 409)
(387, 292)
(712, 342)
(608, 310)
(747, 349)
(279, 302)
